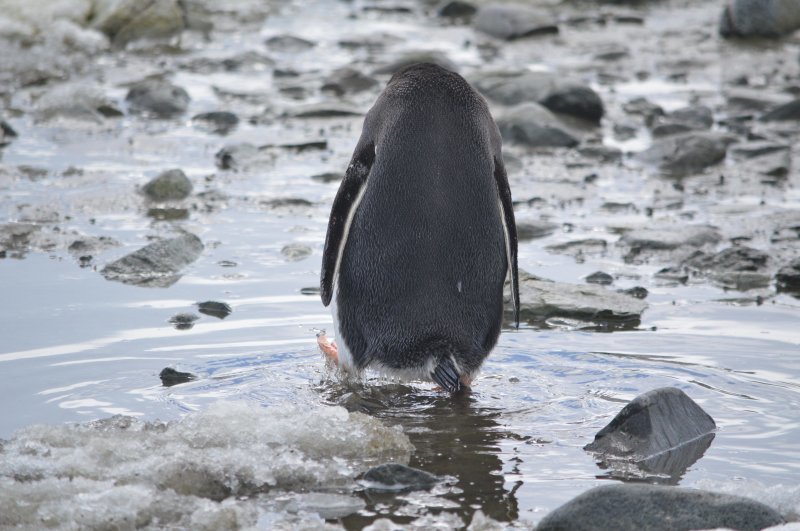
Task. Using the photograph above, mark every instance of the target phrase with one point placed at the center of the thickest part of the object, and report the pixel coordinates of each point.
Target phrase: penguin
(421, 236)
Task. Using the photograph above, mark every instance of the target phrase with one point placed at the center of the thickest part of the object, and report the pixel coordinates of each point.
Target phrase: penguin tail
(446, 375)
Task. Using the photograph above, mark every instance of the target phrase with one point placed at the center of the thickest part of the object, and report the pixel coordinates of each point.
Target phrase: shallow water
(76, 347)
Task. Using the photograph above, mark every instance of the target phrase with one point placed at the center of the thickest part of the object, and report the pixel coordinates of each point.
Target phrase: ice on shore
(228, 467)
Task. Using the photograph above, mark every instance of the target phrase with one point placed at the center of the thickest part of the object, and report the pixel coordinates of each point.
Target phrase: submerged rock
(156, 264)
(657, 508)
(759, 18)
(171, 185)
(532, 125)
(217, 122)
(397, 477)
(294, 252)
(542, 299)
(787, 279)
(687, 153)
(662, 431)
(125, 21)
(158, 97)
(170, 377)
(512, 21)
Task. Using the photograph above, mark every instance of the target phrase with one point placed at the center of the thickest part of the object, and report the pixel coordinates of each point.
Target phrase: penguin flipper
(446, 375)
(342, 211)
(510, 229)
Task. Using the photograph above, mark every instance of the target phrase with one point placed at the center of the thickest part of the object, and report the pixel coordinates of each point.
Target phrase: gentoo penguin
(421, 235)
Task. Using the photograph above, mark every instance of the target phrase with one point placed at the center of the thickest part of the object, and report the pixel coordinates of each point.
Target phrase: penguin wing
(344, 208)
(510, 229)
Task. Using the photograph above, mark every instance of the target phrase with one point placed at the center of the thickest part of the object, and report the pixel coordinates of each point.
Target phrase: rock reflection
(454, 438)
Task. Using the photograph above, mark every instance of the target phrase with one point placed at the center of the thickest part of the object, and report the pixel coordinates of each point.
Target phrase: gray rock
(126, 21)
(643, 107)
(637, 291)
(759, 18)
(88, 245)
(542, 299)
(532, 230)
(740, 267)
(183, 321)
(579, 247)
(157, 97)
(651, 425)
(670, 237)
(218, 122)
(294, 252)
(410, 58)
(685, 119)
(513, 21)
(288, 44)
(601, 278)
(156, 264)
(532, 125)
(575, 100)
(787, 111)
(787, 279)
(7, 133)
(324, 110)
(686, 154)
(170, 377)
(749, 150)
(601, 153)
(329, 177)
(76, 100)
(220, 310)
(171, 185)
(348, 81)
(657, 508)
(456, 9)
(397, 477)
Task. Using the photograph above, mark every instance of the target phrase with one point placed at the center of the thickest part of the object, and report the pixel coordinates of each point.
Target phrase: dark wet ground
(76, 346)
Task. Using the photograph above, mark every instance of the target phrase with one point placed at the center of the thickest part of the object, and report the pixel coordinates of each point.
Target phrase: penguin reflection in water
(421, 235)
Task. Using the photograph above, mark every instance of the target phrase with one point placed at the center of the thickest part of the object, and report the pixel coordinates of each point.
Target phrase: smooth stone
(655, 422)
(397, 477)
(601, 278)
(218, 122)
(512, 21)
(683, 120)
(294, 252)
(410, 58)
(171, 185)
(456, 9)
(220, 310)
(634, 507)
(686, 154)
(156, 264)
(288, 44)
(787, 279)
(170, 377)
(542, 299)
(672, 275)
(348, 81)
(532, 230)
(643, 107)
(533, 125)
(160, 98)
(759, 18)
(575, 100)
(787, 111)
(637, 291)
(131, 20)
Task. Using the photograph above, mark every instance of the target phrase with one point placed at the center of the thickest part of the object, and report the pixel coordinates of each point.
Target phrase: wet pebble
(218, 122)
(348, 81)
(575, 100)
(759, 18)
(683, 120)
(643, 107)
(126, 21)
(686, 154)
(294, 252)
(532, 125)
(157, 97)
(171, 185)
(601, 278)
(170, 377)
(787, 279)
(216, 309)
(156, 264)
(183, 321)
(456, 9)
(397, 477)
(511, 21)
(634, 507)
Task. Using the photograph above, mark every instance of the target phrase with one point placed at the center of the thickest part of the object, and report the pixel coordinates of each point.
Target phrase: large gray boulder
(686, 154)
(662, 431)
(738, 267)
(635, 507)
(125, 21)
(513, 21)
(157, 264)
(759, 18)
(532, 125)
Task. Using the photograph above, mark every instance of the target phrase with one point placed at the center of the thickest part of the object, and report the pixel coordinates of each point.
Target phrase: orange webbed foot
(328, 348)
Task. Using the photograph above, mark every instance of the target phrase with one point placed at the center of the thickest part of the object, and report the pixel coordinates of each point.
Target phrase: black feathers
(446, 376)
